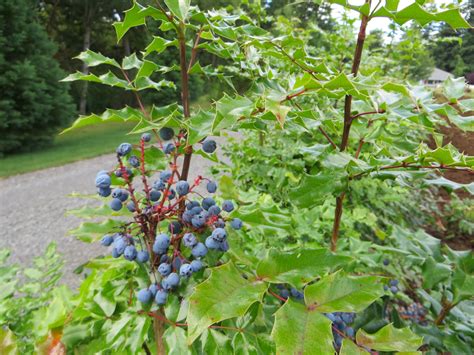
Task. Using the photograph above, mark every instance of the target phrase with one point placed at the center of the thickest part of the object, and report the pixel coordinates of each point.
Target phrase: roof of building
(439, 75)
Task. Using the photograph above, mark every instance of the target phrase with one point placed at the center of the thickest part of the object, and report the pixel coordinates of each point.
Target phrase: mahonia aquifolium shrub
(196, 224)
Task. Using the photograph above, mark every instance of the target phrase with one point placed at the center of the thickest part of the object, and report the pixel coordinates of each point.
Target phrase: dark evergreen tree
(453, 51)
(33, 103)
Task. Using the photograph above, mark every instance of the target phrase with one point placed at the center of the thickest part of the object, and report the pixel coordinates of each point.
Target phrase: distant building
(436, 77)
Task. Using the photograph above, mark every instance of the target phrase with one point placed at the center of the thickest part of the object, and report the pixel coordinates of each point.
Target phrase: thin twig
(194, 50)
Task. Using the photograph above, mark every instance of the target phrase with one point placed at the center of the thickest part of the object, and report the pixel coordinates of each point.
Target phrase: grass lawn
(80, 144)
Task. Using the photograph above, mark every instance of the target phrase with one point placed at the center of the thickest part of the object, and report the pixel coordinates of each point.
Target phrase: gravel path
(33, 207)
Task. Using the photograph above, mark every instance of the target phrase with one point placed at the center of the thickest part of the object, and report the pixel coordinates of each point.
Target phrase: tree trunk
(85, 67)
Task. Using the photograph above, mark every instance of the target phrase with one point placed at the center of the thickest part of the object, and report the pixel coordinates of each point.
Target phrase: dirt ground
(464, 142)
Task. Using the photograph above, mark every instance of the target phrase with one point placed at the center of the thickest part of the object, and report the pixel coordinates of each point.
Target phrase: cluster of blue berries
(341, 324)
(392, 286)
(414, 312)
(125, 244)
(194, 228)
(293, 292)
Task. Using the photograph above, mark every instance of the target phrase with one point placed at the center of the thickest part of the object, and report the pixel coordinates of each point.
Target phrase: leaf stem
(347, 124)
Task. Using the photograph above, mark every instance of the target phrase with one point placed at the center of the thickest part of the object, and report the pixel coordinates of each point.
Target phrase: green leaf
(298, 267)
(452, 185)
(146, 69)
(434, 273)
(105, 300)
(122, 115)
(315, 189)
(350, 348)
(298, 330)
(343, 293)
(136, 17)
(418, 14)
(454, 88)
(199, 126)
(131, 62)
(390, 338)
(175, 338)
(229, 110)
(108, 78)
(180, 8)
(8, 343)
(225, 294)
(93, 59)
(93, 231)
(463, 284)
(159, 44)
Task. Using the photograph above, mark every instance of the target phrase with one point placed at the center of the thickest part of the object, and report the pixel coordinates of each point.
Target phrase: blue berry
(134, 161)
(175, 227)
(214, 210)
(350, 332)
(121, 194)
(296, 294)
(198, 221)
(143, 256)
(219, 223)
(155, 195)
(164, 258)
(386, 262)
(171, 281)
(211, 187)
(119, 172)
(224, 246)
(153, 289)
(196, 265)
(168, 148)
(182, 188)
(164, 269)
(211, 243)
(236, 223)
(161, 297)
(219, 235)
(191, 204)
(393, 282)
(130, 253)
(199, 250)
(107, 240)
(115, 253)
(187, 217)
(394, 289)
(196, 210)
(165, 175)
(103, 181)
(131, 206)
(124, 149)
(159, 185)
(162, 242)
(189, 240)
(209, 146)
(171, 194)
(144, 296)
(285, 293)
(185, 270)
(115, 204)
(146, 137)
(228, 206)
(104, 191)
(166, 133)
(208, 202)
(177, 262)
